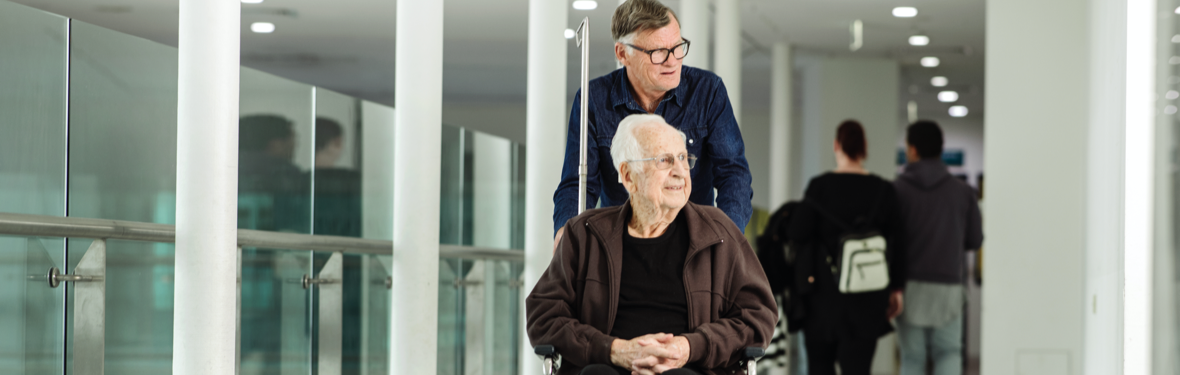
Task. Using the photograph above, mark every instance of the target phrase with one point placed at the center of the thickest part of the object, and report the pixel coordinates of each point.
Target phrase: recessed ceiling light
(585, 5)
(1172, 94)
(930, 62)
(1177, 10)
(938, 81)
(905, 12)
(958, 111)
(1176, 38)
(251, 1)
(1170, 110)
(262, 27)
(569, 33)
(919, 40)
(948, 96)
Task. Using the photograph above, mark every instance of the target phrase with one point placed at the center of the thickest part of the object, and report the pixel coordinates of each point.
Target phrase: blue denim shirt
(699, 107)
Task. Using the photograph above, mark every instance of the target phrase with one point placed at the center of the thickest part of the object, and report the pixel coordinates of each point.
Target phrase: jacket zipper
(684, 277)
(614, 296)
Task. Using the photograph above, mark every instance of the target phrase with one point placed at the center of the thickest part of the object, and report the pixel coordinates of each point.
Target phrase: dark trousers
(854, 355)
(612, 370)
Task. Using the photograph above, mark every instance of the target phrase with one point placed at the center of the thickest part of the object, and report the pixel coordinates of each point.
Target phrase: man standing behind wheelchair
(657, 285)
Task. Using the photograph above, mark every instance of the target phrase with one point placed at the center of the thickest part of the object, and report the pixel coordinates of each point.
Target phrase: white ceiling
(348, 45)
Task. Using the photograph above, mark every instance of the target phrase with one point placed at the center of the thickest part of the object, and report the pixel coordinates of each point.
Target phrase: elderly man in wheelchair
(658, 285)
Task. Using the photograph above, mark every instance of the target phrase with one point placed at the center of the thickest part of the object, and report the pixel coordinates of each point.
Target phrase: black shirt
(651, 293)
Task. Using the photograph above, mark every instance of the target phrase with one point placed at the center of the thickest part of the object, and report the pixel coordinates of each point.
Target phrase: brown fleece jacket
(730, 305)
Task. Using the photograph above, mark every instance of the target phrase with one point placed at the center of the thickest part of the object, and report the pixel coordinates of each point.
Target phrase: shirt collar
(621, 93)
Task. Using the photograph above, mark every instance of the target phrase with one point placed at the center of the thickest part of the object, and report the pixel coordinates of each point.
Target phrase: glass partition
(32, 181)
(123, 167)
(1166, 304)
(311, 161)
(482, 190)
(275, 158)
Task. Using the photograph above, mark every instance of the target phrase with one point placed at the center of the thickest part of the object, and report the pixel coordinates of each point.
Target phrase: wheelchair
(549, 356)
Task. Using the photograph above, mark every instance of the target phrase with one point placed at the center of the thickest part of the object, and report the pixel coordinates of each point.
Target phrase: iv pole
(582, 33)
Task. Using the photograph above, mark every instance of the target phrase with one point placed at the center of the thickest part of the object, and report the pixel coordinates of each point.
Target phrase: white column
(1032, 217)
(780, 125)
(694, 26)
(205, 323)
(416, 180)
(545, 142)
(727, 57)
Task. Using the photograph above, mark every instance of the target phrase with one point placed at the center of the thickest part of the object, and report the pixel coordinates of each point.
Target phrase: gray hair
(625, 145)
(634, 16)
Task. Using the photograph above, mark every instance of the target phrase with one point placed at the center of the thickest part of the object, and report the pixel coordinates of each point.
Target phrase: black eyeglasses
(660, 55)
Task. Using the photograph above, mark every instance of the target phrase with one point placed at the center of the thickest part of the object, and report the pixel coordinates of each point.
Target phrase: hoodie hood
(926, 174)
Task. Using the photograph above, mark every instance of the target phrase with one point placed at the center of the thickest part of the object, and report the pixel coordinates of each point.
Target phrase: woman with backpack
(849, 267)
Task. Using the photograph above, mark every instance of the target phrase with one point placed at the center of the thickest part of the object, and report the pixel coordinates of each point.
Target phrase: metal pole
(584, 42)
(416, 183)
(204, 337)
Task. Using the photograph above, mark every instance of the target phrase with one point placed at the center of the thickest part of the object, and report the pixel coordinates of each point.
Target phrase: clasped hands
(650, 354)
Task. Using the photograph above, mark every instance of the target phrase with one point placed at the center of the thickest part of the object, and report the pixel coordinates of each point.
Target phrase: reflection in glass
(276, 336)
(1166, 325)
(275, 160)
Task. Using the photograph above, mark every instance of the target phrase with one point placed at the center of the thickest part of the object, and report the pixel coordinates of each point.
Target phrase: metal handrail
(56, 226)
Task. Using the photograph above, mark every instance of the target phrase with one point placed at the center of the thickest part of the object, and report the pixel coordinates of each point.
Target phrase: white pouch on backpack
(863, 267)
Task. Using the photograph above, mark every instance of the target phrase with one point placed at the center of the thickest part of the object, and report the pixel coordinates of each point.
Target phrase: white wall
(835, 89)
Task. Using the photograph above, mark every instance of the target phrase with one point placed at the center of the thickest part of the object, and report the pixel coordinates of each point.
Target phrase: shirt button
(690, 141)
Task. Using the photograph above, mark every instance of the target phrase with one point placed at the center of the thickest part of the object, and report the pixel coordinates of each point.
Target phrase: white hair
(625, 145)
(625, 40)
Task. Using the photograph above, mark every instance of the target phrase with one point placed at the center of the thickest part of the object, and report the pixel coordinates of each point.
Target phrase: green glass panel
(32, 181)
(452, 185)
(276, 324)
(123, 167)
(375, 310)
(451, 308)
(44, 313)
(275, 165)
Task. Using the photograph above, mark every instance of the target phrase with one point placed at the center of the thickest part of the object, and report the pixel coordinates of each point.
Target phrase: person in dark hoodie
(942, 222)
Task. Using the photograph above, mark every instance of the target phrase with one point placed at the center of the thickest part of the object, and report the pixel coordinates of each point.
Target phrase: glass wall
(32, 181)
(123, 167)
(482, 206)
(1166, 304)
(311, 161)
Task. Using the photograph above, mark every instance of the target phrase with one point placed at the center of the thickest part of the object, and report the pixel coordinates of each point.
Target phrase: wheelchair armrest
(544, 350)
(753, 352)
(548, 355)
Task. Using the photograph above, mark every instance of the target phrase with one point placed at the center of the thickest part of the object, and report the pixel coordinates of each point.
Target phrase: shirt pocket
(695, 139)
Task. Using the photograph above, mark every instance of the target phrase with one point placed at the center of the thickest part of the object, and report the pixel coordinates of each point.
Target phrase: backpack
(778, 262)
(787, 266)
(862, 264)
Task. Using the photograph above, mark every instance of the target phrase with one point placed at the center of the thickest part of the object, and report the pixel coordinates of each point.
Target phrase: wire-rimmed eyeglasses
(660, 55)
(665, 161)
